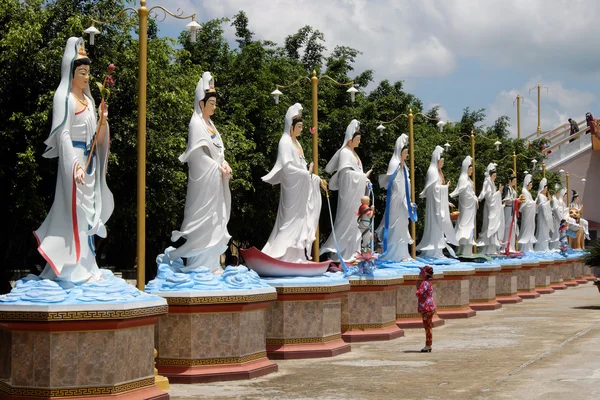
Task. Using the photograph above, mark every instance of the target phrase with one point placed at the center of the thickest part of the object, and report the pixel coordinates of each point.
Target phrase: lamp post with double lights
(314, 80)
(411, 138)
(143, 13)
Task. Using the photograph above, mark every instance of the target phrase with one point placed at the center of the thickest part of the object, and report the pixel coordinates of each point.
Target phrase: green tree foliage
(32, 38)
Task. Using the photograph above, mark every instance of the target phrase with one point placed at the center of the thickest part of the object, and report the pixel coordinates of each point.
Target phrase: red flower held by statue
(366, 256)
(313, 130)
(111, 68)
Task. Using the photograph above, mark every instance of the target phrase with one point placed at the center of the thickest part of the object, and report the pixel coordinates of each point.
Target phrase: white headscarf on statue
(489, 168)
(394, 161)
(352, 128)
(433, 174)
(463, 180)
(543, 184)
(285, 153)
(60, 106)
(563, 191)
(198, 132)
(527, 181)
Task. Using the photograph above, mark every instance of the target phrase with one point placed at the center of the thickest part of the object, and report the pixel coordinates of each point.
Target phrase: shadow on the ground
(587, 308)
(411, 351)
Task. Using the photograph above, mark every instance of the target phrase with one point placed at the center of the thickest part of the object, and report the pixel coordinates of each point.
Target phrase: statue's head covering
(490, 169)
(463, 180)
(401, 142)
(352, 130)
(285, 150)
(432, 172)
(527, 181)
(75, 49)
(543, 184)
(204, 90)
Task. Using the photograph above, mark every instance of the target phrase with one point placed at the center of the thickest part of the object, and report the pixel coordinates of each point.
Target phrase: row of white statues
(83, 203)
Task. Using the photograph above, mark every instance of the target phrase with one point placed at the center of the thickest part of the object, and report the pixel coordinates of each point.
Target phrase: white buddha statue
(468, 203)
(545, 224)
(493, 215)
(527, 209)
(438, 230)
(208, 200)
(393, 230)
(299, 201)
(83, 202)
(351, 184)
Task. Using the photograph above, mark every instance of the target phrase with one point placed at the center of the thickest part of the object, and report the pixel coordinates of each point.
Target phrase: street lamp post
(539, 124)
(143, 12)
(314, 80)
(411, 138)
(518, 101)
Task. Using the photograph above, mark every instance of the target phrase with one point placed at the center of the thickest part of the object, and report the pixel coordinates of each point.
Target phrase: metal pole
(141, 167)
(518, 117)
(411, 138)
(512, 221)
(543, 169)
(568, 190)
(539, 128)
(315, 142)
(474, 187)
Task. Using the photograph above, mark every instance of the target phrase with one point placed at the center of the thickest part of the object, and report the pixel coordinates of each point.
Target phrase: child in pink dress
(426, 304)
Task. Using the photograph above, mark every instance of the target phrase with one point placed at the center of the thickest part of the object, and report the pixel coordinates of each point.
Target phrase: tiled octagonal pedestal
(567, 269)
(407, 304)
(211, 336)
(506, 284)
(453, 295)
(369, 309)
(526, 281)
(482, 288)
(542, 277)
(95, 351)
(580, 270)
(306, 319)
(556, 275)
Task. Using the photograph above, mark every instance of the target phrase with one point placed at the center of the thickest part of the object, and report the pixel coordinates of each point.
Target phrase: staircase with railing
(576, 156)
(562, 146)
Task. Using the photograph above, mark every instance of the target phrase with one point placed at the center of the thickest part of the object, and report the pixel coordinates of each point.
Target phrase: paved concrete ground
(547, 348)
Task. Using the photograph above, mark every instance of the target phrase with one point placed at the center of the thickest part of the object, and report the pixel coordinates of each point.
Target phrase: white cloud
(558, 103)
(402, 39)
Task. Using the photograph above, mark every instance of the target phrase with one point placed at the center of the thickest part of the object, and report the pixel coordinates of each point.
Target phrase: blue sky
(455, 53)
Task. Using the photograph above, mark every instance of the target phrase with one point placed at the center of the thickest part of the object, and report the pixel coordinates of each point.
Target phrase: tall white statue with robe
(208, 200)
(351, 183)
(527, 209)
(545, 224)
(438, 230)
(299, 200)
(393, 230)
(557, 207)
(467, 205)
(82, 201)
(493, 214)
(509, 195)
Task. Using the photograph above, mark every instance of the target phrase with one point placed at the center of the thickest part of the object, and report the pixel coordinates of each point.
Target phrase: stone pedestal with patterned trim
(506, 284)
(567, 270)
(482, 289)
(212, 336)
(369, 309)
(526, 281)
(306, 319)
(556, 275)
(580, 270)
(407, 316)
(453, 294)
(542, 277)
(96, 351)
